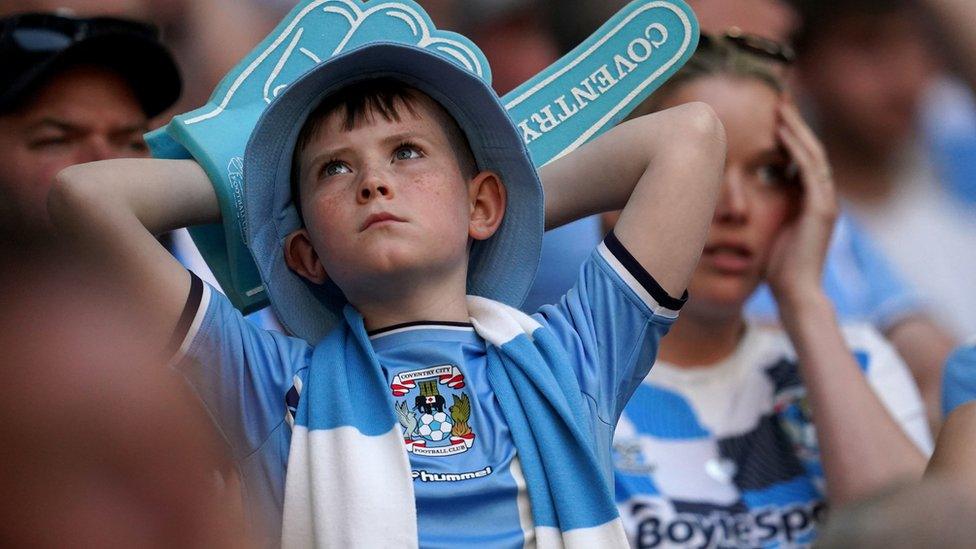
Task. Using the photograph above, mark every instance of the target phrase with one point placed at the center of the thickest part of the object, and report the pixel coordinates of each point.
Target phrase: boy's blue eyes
(403, 152)
(407, 152)
(336, 168)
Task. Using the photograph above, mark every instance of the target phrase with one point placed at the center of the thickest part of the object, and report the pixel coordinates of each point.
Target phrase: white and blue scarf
(349, 482)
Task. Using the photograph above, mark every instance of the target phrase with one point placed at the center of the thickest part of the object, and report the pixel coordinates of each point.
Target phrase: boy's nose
(373, 187)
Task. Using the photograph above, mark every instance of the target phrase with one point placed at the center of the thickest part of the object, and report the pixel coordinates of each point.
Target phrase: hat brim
(500, 268)
(145, 64)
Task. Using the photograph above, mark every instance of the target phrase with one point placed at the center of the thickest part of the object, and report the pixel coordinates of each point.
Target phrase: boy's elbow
(696, 139)
(72, 195)
(698, 127)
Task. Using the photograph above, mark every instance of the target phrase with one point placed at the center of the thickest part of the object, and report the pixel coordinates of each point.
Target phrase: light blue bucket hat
(501, 268)
(585, 93)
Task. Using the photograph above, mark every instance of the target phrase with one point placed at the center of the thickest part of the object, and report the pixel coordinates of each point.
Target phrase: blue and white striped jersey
(725, 455)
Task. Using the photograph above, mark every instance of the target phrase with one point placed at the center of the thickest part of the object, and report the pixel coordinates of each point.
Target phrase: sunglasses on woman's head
(754, 44)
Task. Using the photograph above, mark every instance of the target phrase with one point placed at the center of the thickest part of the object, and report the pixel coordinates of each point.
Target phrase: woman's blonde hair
(717, 55)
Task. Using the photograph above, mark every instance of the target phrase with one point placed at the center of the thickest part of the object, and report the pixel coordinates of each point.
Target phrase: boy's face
(386, 203)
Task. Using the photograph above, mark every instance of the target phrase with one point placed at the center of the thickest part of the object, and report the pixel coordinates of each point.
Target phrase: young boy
(412, 188)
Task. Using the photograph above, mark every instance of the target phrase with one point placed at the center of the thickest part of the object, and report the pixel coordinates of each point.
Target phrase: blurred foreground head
(99, 443)
(73, 90)
(938, 512)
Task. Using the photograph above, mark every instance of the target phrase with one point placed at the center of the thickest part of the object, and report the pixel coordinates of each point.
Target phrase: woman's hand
(797, 258)
(863, 447)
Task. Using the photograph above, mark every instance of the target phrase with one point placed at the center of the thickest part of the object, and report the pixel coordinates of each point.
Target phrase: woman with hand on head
(741, 434)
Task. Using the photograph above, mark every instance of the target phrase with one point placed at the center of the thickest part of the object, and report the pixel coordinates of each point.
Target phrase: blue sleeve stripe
(638, 279)
(190, 319)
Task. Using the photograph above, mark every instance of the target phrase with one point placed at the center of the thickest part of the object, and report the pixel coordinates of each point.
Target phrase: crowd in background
(887, 86)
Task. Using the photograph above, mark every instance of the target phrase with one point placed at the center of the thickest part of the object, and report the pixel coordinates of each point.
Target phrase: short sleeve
(241, 372)
(892, 382)
(959, 378)
(610, 323)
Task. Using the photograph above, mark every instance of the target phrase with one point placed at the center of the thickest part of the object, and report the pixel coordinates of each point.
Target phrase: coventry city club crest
(430, 426)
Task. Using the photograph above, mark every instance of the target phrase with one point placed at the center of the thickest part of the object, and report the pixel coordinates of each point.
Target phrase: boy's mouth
(379, 218)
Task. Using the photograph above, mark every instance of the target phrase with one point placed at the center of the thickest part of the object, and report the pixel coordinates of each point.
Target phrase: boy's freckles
(385, 198)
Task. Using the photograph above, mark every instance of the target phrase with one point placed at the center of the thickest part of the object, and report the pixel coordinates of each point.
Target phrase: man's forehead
(96, 98)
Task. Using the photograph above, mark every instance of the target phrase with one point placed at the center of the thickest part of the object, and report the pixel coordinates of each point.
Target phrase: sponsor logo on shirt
(424, 476)
(788, 526)
(431, 427)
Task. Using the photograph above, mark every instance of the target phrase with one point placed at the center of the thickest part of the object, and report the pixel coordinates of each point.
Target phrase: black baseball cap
(36, 46)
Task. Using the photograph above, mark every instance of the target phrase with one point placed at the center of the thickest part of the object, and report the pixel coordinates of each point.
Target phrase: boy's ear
(487, 197)
(301, 257)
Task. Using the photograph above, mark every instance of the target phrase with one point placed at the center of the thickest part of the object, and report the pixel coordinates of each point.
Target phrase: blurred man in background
(80, 89)
(772, 19)
(876, 82)
(72, 91)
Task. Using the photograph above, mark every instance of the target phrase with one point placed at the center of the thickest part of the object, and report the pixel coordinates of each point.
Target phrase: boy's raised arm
(664, 170)
(109, 211)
